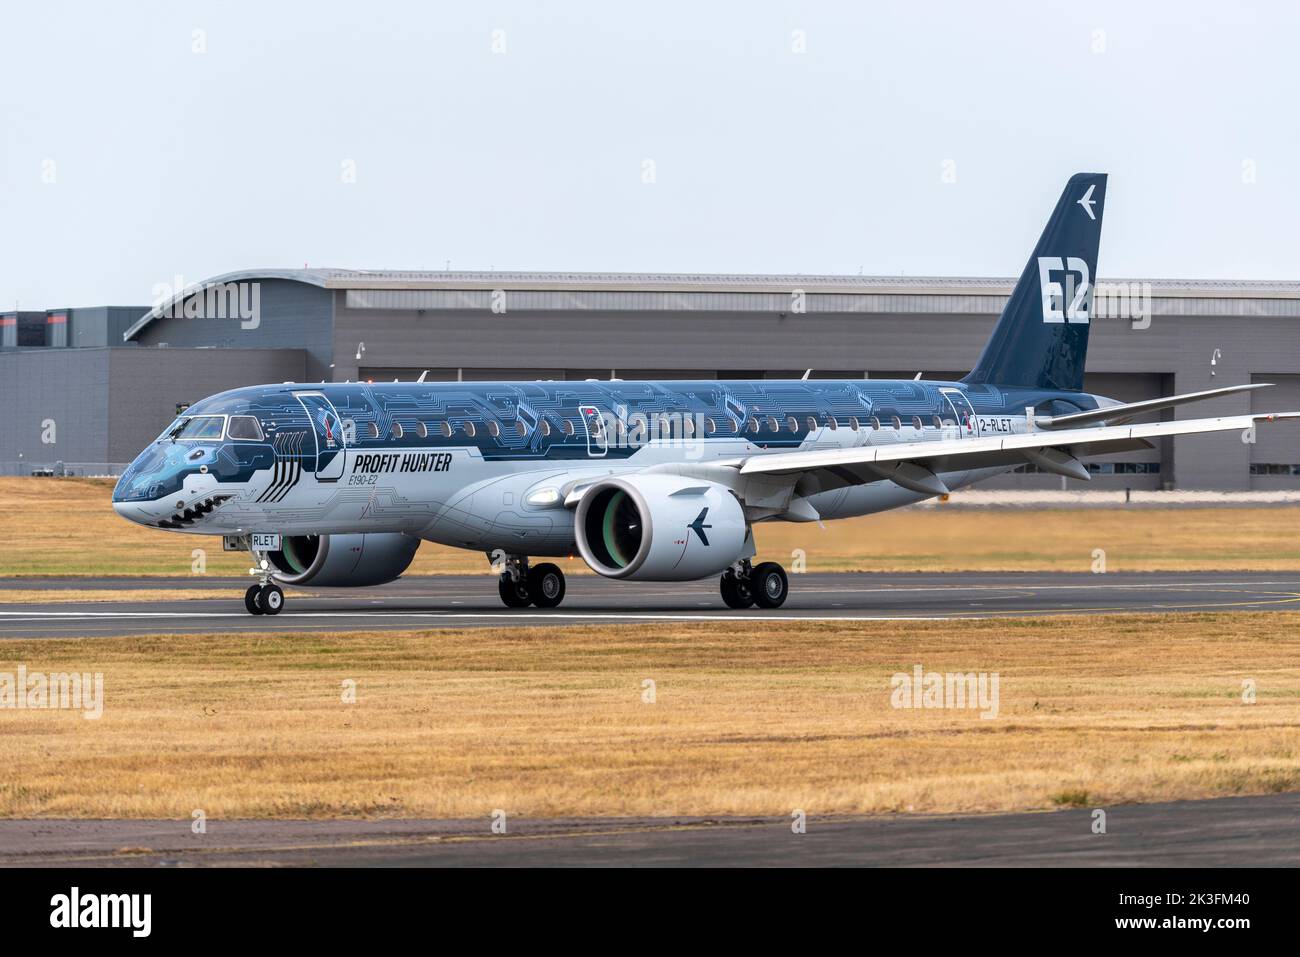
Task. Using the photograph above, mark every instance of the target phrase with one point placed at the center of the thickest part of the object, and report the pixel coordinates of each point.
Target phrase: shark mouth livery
(337, 484)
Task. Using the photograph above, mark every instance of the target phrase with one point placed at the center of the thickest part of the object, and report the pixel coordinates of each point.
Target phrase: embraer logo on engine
(1055, 295)
(698, 526)
(397, 462)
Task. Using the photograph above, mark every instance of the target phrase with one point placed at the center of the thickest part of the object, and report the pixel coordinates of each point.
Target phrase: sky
(145, 141)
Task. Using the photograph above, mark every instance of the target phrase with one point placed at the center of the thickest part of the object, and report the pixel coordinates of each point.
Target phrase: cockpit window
(207, 427)
(167, 432)
(245, 427)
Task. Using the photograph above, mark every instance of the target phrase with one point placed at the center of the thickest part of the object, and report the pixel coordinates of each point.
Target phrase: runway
(471, 601)
(1223, 832)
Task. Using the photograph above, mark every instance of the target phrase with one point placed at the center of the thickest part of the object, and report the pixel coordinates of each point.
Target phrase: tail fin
(1041, 339)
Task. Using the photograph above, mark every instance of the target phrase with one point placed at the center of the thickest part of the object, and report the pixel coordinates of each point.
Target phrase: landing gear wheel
(546, 585)
(736, 591)
(271, 598)
(253, 600)
(514, 593)
(770, 585)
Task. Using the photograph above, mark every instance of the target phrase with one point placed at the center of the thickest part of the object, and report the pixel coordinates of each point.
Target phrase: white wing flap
(954, 450)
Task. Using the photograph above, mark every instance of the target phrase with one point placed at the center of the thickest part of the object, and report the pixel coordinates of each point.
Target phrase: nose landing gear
(266, 597)
(764, 585)
(521, 586)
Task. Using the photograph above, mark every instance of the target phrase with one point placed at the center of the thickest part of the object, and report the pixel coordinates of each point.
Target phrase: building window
(1256, 468)
(1105, 468)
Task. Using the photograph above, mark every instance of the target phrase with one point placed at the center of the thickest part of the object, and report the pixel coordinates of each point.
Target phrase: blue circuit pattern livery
(658, 481)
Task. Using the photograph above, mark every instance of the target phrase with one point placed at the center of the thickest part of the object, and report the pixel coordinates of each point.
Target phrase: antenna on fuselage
(422, 375)
(805, 376)
(917, 377)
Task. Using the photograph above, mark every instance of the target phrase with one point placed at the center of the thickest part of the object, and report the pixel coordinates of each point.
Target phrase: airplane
(337, 484)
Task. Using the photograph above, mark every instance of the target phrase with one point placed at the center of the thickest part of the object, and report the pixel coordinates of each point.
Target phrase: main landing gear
(265, 599)
(521, 586)
(764, 585)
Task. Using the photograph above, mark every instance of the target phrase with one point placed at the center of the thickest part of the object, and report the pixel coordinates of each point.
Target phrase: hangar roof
(936, 289)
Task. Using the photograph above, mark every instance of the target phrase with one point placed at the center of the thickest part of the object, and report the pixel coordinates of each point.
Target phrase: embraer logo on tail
(1087, 202)
(1075, 292)
(698, 526)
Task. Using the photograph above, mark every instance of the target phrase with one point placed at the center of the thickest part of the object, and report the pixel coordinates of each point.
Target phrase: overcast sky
(146, 140)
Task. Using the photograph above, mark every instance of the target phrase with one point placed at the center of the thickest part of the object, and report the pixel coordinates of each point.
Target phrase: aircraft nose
(133, 512)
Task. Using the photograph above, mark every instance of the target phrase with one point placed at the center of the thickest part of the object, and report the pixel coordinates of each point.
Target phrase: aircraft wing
(1126, 410)
(914, 465)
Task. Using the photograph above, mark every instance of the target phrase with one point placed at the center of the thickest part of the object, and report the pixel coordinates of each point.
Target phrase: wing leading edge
(914, 464)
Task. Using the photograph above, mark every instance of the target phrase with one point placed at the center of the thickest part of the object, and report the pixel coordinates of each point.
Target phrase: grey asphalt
(471, 600)
(1239, 832)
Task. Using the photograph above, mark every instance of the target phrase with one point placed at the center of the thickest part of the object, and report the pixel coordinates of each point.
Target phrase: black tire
(514, 594)
(253, 599)
(771, 587)
(271, 599)
(546, 585)
(736, 592)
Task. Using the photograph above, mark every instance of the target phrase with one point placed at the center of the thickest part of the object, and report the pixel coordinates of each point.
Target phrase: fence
(64, 469)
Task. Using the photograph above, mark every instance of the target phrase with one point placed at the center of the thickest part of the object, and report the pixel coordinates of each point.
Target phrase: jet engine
(345, 561)
(659, 528)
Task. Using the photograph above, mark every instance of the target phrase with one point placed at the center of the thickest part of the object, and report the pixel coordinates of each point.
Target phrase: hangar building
(110, 378)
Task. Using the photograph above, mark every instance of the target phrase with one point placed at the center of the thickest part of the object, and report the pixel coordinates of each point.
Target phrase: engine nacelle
(659, 528)
(345, 561)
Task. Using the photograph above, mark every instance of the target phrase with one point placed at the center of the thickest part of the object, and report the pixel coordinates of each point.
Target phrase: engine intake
(344, 561)
(659, 528)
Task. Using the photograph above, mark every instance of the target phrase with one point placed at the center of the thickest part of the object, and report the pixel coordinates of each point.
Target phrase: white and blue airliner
(337, 484)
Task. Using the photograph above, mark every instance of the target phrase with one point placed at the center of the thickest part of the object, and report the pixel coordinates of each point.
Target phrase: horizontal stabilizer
(1124, 411)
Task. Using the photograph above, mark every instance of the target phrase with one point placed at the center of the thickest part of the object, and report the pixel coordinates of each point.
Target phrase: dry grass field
(15, 596)
(552, 721)
(68, 527)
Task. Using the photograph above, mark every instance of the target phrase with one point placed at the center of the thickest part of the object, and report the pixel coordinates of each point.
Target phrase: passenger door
(963, 412)
(594, 424)
(327, 427)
